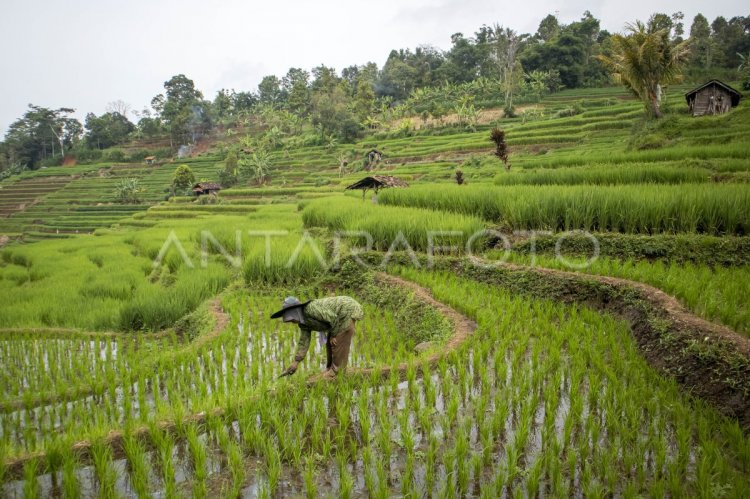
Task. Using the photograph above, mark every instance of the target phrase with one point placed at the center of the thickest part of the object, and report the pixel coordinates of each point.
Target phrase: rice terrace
(526, 257)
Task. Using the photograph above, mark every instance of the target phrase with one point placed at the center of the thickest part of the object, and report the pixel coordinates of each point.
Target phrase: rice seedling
(309, 477)
(198, 459)
(138, 465)
(346, 480)
(236, 467)
(71, 487)
(106, 474)
(31, 484)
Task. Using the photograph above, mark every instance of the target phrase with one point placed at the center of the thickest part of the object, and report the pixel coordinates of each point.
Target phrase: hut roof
(207, 186)
(149, 158)
(378, 181)
(734, 93)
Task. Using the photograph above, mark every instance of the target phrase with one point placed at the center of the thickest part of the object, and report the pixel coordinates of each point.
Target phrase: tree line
(496, 66)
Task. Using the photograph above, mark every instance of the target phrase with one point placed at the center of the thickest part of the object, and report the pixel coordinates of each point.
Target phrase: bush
(116, 156)
(569, 111)
(183, 178)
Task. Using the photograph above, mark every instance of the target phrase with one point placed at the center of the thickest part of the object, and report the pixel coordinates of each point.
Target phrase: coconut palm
(644, 61)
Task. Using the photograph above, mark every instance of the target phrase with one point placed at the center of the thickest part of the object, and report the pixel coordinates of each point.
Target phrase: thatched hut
(206, 188)
(150, 160)
(713, 97)
(377, 182)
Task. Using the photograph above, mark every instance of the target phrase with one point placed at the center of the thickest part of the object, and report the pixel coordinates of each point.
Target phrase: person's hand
(333, 341)
(290, 370)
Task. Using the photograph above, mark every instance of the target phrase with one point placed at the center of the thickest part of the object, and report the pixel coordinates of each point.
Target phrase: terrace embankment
(708, 360)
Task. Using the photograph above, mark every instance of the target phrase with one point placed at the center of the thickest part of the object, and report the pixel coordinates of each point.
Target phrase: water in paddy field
(437, 476)
(456, 430)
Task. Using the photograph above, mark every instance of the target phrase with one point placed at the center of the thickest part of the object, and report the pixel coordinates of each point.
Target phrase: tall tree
(462, 61)
(700, 35)
(107, 130)
(40, 134)
(270, 92)
(397, 77)
(183, 110)
(296, 85)
(644, 61)
(549, 28)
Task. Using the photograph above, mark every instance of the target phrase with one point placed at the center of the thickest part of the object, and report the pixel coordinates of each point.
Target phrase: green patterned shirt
(328, 315)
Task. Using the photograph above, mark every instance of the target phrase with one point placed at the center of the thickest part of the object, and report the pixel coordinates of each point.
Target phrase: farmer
(335, 317)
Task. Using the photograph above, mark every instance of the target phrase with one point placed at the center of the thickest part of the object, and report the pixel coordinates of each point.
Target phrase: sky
(84, 54)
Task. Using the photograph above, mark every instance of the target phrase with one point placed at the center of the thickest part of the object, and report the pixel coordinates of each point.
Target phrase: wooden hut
(206, 188)
(713, 97)
(377, 182)
(150, 160)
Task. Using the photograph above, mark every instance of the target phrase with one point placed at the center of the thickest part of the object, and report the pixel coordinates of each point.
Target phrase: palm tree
(645, 60)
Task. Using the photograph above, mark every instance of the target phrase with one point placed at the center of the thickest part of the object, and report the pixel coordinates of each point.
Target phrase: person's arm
(304, 344)
(302, 347)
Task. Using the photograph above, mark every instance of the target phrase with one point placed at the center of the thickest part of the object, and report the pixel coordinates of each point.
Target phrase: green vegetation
(719, 209)
(173, 367)
(630, 174)
(390, 226)
(729, 287)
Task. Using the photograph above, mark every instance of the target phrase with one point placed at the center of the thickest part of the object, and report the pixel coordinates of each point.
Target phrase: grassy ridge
(729, 287)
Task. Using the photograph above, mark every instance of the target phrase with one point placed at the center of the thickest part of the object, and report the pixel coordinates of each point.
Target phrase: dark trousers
(338, 356)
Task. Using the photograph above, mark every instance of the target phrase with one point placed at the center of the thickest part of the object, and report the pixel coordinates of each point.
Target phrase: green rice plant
(609, 175)
(308, 474)
(71, 488)
(106, 474)
(391, 227)
(273, 467)
(431, 462)
(363, 415)
(236, 467)
(137, 465)
(713, 292)
(198, 460)
(346, 480)
(30, 482)
(164, 446)
(709, 209)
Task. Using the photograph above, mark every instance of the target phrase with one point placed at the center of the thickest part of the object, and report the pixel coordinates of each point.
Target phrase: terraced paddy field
(576, 326)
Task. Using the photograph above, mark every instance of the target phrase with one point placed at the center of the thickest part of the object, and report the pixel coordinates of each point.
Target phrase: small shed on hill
(150, 160)
(206, 188)
(713, 97)
(377, 182)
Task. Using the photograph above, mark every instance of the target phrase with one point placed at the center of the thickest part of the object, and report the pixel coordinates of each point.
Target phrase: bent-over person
(335, 317)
